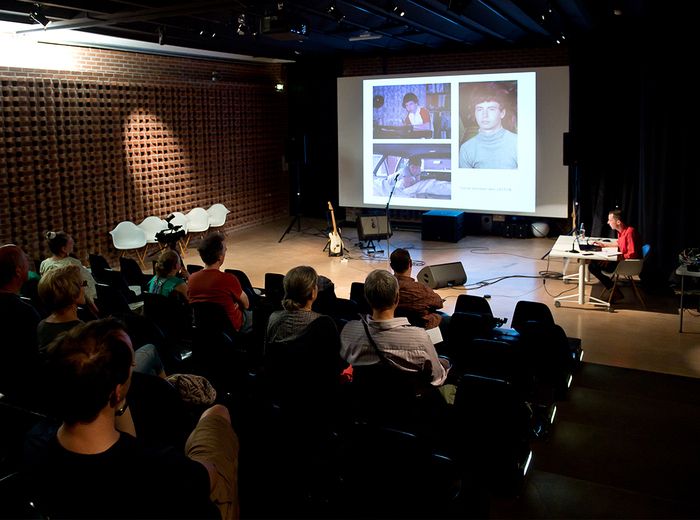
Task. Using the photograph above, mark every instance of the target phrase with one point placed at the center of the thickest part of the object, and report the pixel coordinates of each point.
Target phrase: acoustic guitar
(335, 243)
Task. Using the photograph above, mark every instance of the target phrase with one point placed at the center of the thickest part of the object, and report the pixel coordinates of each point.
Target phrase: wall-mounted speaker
(375, 227)
(442, 275)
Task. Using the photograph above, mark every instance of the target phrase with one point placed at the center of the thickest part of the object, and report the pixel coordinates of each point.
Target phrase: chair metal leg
(637, 293)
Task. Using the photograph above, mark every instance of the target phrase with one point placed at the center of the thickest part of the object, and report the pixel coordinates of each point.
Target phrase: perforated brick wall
(129, 136)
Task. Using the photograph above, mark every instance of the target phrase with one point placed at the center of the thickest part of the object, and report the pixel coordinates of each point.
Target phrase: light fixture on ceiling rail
(397, 10)
(364, 36)
(36, 15)
(333, 11)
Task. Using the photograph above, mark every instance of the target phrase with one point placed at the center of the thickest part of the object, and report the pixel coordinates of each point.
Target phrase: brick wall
(122, 136)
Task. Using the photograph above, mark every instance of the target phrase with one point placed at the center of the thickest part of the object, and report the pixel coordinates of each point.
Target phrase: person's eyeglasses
(84, 283)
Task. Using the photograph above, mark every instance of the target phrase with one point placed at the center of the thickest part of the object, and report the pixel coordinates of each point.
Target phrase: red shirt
(628, 242)
(211, 285)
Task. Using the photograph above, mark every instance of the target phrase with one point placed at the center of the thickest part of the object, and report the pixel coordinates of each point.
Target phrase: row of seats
(128, 236)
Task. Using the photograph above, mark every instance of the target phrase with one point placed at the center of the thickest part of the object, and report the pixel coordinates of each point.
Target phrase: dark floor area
(624, 445)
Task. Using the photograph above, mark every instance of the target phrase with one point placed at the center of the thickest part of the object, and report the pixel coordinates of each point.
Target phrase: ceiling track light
(36, 15)
(397, 10)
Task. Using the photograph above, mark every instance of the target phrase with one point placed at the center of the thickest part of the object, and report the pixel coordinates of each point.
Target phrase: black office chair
(193, 268)
(383, 467)
(470, 303)
(492, 430)
(357, 294)
(98, 266)
(132, 273)
(274, 289)
(111, 301)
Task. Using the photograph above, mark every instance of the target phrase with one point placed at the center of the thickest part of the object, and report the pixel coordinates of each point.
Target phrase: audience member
(298, 320)
(416, 298)
(170, 275)
(18, 322)
(212, 285)
(61, 246)
(397, 343)
(91, 467)
(62, 290)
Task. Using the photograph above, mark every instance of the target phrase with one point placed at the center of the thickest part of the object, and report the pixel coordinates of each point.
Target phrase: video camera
(171, 235)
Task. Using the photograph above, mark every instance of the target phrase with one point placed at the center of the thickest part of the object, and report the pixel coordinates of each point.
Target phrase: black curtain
(633, 115)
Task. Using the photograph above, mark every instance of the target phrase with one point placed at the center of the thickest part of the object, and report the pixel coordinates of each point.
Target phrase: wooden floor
(629, 337)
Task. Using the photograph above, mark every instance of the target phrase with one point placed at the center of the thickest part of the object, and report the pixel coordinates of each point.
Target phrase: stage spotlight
(37, 16)
(279, 87)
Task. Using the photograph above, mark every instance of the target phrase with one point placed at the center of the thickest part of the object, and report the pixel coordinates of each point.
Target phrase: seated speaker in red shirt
(629, 244)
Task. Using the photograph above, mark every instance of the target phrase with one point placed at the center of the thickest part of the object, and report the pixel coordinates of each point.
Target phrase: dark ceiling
(290, 29)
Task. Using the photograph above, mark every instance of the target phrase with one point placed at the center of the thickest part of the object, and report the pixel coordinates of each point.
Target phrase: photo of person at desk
(411, 111)
(493, 146)
(629, 245)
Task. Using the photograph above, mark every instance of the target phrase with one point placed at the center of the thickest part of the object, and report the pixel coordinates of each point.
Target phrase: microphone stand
(388, 225)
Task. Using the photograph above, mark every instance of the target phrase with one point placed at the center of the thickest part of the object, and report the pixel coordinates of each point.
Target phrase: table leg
(681, 311)
(581, 282)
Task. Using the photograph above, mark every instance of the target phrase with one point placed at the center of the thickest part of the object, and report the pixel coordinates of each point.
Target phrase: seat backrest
(357, 294)
(274, 289)
(212, 317)
(630, 267)
(383, 466)
(246, 285)
(98, 266)
(193, 268)
(471, 303)
(128, 235)
(110, 301)
(131, 271)
(217, 215)
(197, 220)
(531, 311)
(172, 314)
(152, 225)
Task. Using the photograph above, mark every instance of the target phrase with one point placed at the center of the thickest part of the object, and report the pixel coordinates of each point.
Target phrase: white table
(566, 247)
(682, 271)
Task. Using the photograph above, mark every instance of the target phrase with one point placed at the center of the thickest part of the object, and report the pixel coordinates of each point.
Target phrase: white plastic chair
(128, 236)
(151, 226)
(197, 222)
(217, 215)
(628, 269)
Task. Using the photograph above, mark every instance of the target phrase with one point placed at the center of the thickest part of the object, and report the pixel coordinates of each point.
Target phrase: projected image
(412, 111)
(412, 171)
(488, 125)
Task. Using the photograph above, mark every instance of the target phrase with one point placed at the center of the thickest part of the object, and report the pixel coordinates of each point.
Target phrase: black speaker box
(375, 227)
(442, 275)
(444, 225)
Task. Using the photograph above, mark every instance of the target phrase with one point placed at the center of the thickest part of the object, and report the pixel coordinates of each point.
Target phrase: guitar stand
(370, 247)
